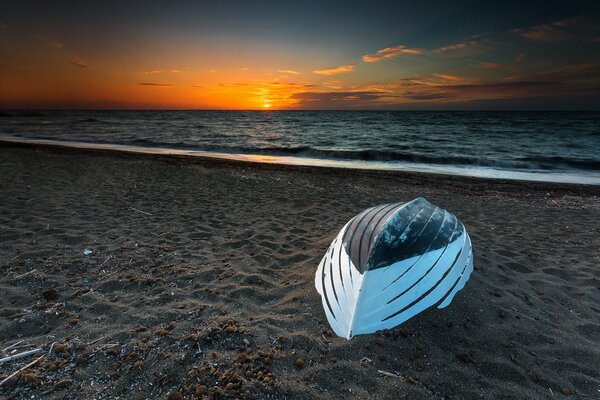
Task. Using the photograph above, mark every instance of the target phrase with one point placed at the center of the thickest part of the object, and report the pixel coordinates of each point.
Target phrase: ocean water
(561, 146)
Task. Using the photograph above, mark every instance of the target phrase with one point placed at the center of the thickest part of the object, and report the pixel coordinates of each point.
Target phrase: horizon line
(304, 109)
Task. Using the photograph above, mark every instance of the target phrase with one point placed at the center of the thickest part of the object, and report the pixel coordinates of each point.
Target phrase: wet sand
(200, 282)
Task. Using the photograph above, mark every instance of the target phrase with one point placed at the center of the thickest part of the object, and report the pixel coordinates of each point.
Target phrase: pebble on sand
(50, 294)
(175, 395)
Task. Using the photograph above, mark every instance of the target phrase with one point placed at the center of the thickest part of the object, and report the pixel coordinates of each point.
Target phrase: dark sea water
(564, 146)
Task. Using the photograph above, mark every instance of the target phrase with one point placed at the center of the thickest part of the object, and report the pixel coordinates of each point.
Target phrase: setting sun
(266, 105)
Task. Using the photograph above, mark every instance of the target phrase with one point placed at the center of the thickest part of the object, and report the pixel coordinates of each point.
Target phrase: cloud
(79, 63)
(336, 100)
(551, 32)
(156, 71)
(516, 64)
(468, 45)
(175, 71)
(288, 71)
(486, 91)
(390, 52)
(429, 96)
(51, 40)
(334, 70)
(453, 78)
(487, 64)
(452, 47)
(154, 84)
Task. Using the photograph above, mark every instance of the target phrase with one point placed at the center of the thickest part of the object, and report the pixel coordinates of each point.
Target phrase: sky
(477, 55)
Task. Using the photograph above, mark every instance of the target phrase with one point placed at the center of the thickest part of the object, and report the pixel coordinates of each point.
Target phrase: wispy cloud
(50, 40)
(485, 91)
(288, 71)
(335, 100)
(469, 45)
(446, 77)
(79, 63)
(390, 52)
(487, 64)
(551, 32)
(334, 70)
(153, 72)
(154, 84)
(429, 96)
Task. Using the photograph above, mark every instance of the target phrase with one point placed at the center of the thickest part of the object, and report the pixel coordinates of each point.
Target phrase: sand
(200, 282)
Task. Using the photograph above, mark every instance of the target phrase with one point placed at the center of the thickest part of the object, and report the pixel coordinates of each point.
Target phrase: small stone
(175, 395)
(380, 342)
(30, 377)
(534, 378)
(50, 294)
(299, 363)
(230, 386)
(63, 383)
(199, 389)
(12, 381)
(565, 390)
(74, 321)
(229, 329)
(60, 348)
(138, 365)
(161, 331)
(80, 360)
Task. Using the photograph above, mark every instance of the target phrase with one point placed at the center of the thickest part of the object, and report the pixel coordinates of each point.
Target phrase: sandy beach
(170, 277)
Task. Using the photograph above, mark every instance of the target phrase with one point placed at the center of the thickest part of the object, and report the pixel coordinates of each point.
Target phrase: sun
(267, 105)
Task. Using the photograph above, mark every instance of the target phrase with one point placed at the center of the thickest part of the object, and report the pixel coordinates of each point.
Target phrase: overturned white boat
(391, 262)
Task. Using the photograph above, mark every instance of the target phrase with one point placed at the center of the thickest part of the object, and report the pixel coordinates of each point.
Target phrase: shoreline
(204, 159)
(566, 178)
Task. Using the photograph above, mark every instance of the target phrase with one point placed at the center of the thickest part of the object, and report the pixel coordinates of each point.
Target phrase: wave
(554, 161)
(527, 163)
(520, 163)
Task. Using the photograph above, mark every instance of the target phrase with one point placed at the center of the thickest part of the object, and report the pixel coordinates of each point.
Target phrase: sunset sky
(300, 55)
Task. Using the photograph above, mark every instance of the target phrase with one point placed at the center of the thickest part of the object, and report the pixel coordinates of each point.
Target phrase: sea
(541, 146)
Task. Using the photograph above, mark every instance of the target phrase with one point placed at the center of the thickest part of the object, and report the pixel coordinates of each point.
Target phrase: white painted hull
(390, 263)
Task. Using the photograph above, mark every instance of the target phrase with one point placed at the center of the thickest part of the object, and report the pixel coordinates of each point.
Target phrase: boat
(391, 262)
